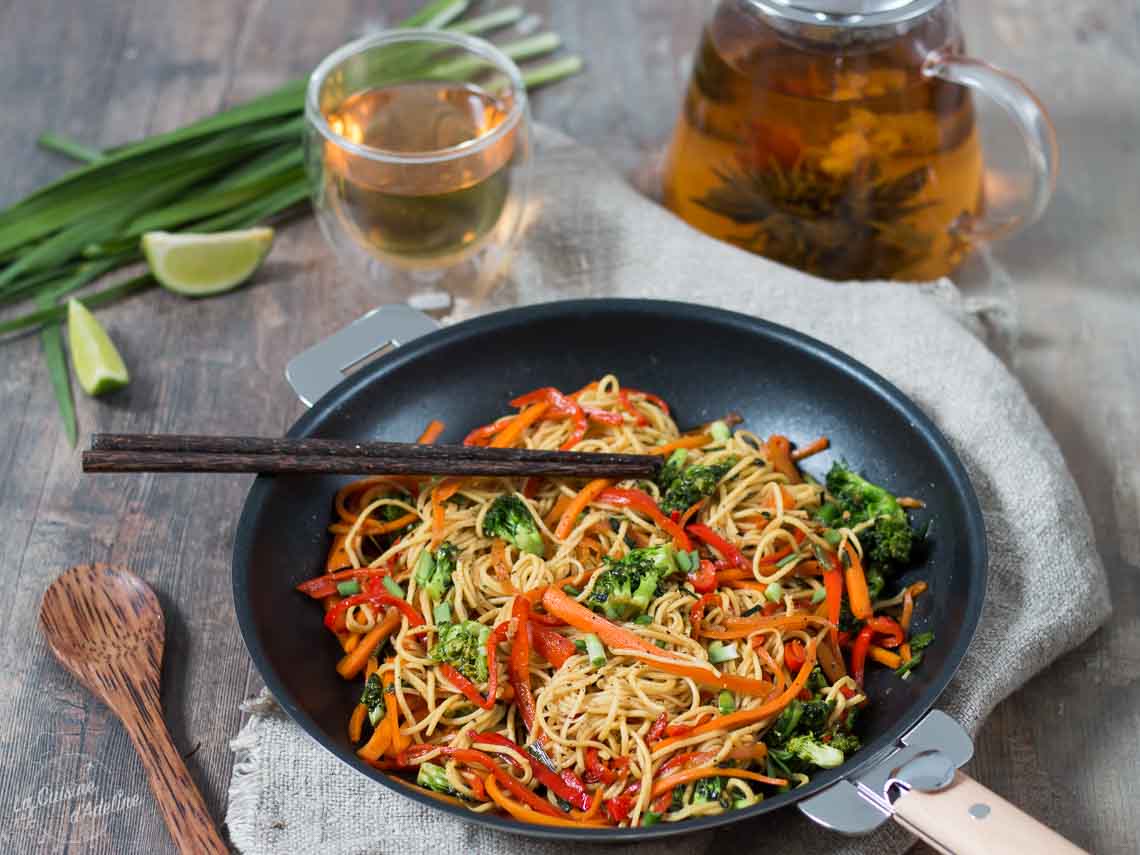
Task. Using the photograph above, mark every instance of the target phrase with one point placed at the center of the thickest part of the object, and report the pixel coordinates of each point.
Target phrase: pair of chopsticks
(111, 452)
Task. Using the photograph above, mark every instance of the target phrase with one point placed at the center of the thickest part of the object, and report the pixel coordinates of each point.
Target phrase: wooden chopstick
(188, 453)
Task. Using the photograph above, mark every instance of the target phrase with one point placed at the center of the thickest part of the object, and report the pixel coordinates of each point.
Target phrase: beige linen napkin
(593, 235)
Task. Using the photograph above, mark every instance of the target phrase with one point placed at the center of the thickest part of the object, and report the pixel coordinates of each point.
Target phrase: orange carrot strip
(373, 527)
(555, 513)
(356, 723)
(377, 744)
(595, 804)
(769, 500)
(743, 718)
(692, 441)
(431, 432)
(338, 555)
(858, 594)
(619, 638)
(813, 447)
(907, 610)
(446, 488)
(527, 814)
(499, 563)
(785, 623)
(511, 433)
(685, 776)
(355, 660)
(780, 455)
(885, 657)
(392, 720)
(693, 510)
(578, 504)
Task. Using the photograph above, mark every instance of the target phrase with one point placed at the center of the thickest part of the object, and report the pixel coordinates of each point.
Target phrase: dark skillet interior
(705, 363)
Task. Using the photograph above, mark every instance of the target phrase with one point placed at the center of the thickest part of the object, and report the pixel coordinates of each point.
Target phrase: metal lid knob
(847, 13)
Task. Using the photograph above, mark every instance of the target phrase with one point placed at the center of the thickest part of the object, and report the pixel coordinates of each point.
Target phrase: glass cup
(418, 152)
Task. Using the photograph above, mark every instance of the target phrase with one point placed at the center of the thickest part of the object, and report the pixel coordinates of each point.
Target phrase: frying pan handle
(315, 371)
(966, 818)
(918, 784)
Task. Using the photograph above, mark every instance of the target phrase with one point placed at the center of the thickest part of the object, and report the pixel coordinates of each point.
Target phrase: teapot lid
(847, 13)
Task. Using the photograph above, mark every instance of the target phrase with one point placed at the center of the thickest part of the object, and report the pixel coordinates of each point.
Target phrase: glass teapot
(839, 137)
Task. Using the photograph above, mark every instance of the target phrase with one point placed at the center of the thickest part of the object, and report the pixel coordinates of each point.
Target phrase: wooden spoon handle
(182, 806)
(967, 818)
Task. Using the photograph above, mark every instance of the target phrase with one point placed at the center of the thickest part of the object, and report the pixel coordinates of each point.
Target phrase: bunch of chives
(233, 170)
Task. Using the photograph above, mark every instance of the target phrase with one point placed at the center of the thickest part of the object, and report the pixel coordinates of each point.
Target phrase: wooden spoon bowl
(106, 627)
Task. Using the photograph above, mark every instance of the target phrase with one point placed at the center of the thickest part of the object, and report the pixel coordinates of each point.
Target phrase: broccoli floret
(817, 681)
(848, 743)
(708, 790)
(462, 645)
(680, 489)
(433, 572)
(510, 519)
(875, 581)
(433, 777)
(815, 714)
(809, 749)
(626, 587)
(857, 500)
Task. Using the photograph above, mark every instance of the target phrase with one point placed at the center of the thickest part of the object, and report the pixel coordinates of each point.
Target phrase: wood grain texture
(106, 627)
(1064, 747)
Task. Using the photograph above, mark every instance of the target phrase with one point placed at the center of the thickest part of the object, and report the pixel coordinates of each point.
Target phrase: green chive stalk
(238, 168)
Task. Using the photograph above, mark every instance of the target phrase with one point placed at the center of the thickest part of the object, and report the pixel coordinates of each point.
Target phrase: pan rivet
(979, 811)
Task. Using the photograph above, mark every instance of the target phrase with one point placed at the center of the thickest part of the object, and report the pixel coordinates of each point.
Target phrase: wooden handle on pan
(966, 818)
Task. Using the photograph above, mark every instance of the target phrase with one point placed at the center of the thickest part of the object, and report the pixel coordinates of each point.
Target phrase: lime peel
(200, 265)
(98, 366)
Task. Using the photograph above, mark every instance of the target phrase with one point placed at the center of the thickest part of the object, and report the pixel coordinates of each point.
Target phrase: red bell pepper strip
(599, 772)
(704, 578)
(561, 405)
(531, 485)
(650, 397)
(727, 551)
(325, 586)
(685, 729)
(888, 627)
(859, 653)
(627, 405)
(697, 614)
(618, 807)
(519, 665)
(456, 678)
(603, 417)
(554, 647)
(375, 595)
(657, 731)
(794, 655)
(640, 501)
(566, 785)
(482, 435)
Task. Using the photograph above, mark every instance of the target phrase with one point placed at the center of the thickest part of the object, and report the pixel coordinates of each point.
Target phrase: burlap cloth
(593, 235)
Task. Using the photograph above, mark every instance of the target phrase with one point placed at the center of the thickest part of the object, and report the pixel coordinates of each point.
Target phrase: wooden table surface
(107, 71)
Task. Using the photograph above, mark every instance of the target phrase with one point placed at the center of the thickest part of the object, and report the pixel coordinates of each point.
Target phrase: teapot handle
(1031, 120)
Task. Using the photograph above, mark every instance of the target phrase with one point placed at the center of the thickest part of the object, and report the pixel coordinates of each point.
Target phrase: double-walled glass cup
(418, 154)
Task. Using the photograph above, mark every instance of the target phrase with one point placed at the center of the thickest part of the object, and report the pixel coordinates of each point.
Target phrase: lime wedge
(198, 265)
(97, 363)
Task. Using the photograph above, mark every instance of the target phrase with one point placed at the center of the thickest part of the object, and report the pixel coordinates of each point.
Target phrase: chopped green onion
(921, 641)
(774, 592)
(441, 613)
(738, 804)
(719, 431)
(818, 596)
(580, 645)
(571, 591)
(684, 562)
(720, 652)
(832, 537)
(908, 666)
(751, 611)
(677, 458)
(375, 714)
(695, 560)
(643, 620)
(650, 818)
(393, 587)
(661, 644)
(347, 589)
(788, 559)
(425, 564)
(725, 702)
(595, 651)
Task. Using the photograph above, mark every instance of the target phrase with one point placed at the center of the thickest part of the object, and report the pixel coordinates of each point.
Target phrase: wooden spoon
(105, 626)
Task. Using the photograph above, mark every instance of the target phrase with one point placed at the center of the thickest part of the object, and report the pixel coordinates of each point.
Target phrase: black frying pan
(705, 363)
